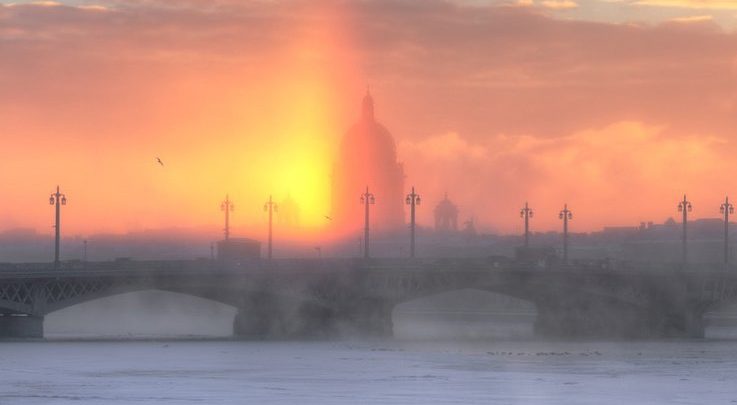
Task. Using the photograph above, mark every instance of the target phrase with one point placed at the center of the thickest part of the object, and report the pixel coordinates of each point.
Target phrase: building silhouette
(288, 212)
(446, 216)
(368, 158)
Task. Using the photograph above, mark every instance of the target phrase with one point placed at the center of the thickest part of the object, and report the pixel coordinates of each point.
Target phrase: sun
(304, 175)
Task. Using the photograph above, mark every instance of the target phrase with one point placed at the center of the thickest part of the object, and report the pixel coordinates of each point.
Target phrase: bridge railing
(299, 265)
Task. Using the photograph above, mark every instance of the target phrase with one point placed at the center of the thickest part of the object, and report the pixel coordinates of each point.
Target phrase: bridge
(324, 297)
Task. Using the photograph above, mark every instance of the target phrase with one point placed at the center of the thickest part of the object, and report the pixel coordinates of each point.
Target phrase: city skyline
(376, 201)
(558, 105)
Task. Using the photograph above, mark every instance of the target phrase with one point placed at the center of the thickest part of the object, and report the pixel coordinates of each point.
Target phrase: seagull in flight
(328, 218)
(159, 161)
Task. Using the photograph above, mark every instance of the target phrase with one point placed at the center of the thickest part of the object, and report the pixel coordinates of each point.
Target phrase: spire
(368, 106)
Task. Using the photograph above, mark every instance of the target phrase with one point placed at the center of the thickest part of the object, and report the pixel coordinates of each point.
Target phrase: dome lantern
(368, 106)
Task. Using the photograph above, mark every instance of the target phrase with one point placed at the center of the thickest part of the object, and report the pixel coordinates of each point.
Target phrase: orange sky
(494, 104)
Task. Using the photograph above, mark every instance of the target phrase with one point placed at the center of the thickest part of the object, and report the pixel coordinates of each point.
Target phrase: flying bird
(159, 161)
(328, 218)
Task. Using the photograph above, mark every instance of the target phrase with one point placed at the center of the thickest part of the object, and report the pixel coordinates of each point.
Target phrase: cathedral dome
(368, 158)
(368, 139)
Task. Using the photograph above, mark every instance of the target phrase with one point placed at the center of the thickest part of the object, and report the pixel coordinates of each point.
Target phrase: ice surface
(394, 372)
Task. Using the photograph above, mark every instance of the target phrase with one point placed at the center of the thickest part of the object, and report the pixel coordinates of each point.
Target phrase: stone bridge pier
(366, 316)
(604, 318)
(267, 316)
(21, 326)
(260, 316)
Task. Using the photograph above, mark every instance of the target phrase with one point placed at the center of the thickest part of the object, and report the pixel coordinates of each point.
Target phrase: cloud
(628, 165)
(694, 4)
(446, 147)
(549, 4)
(37, 3)
(693, 19)
(559, 4)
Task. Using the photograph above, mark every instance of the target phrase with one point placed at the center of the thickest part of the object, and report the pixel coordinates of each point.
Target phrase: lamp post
(413, 199)
(685, 207)
(726, 209)
(565, 215)
(271, 207)
(367, 199)
(527, 213)
(58, 199)
(228, 207)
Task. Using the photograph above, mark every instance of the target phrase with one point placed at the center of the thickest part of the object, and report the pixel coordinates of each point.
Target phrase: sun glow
(303, 162)
(243, 126)
(314, 75)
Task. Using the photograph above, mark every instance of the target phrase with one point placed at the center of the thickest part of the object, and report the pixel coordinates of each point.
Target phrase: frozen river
(508, 367)
(391, 372)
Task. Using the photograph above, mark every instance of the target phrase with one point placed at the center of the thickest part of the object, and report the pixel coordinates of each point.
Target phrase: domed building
(446, 216)
(368, 158)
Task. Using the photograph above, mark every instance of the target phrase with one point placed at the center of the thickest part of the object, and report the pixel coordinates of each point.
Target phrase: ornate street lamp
(367, 199)
(565, 215)
(685, 207)
(58, 199)
(227, 206)
(527, 213)
(270, 207)
(726, 208)
(413, 199)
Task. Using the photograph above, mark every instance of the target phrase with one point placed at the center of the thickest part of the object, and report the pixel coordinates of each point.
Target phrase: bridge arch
(61, 297)
(574, 304)
(142, 312)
